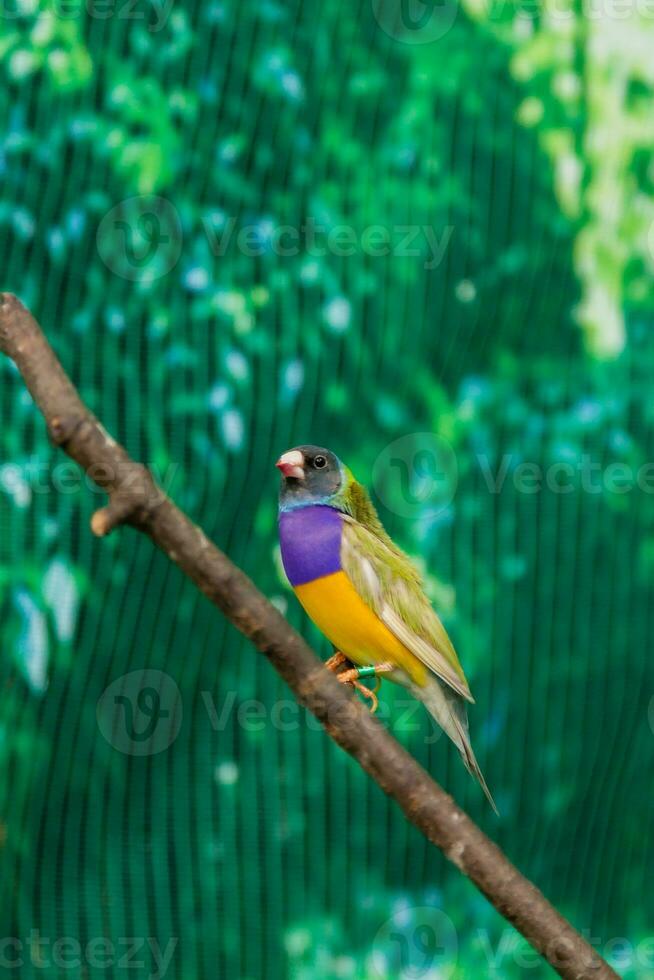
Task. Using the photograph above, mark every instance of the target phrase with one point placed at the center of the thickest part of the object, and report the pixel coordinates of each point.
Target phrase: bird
(365, 595)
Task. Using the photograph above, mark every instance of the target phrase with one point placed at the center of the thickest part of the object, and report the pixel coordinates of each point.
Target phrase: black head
(310, 475)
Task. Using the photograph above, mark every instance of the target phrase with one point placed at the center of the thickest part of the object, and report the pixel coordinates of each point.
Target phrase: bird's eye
(319, 462)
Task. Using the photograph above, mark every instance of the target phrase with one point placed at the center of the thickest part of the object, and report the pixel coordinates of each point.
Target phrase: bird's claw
(338, 660)
(351, 678)
(352, 674)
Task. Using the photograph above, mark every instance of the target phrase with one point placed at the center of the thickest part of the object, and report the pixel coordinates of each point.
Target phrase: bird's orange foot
(338, 660)
(352, 676)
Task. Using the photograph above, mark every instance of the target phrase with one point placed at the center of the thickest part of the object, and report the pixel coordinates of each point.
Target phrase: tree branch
(135, 499)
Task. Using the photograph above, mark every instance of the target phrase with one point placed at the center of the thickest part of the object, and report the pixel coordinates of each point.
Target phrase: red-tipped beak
(291, 464)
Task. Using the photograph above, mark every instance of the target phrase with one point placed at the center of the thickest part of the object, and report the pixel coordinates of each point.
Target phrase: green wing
(390, 584)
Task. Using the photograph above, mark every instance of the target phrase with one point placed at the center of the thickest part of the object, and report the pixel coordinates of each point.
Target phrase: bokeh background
(152, 160)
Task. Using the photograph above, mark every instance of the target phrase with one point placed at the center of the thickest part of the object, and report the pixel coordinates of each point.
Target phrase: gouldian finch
(365, 594)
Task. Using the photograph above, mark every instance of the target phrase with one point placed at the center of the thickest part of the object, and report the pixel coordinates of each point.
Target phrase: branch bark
(135, 499)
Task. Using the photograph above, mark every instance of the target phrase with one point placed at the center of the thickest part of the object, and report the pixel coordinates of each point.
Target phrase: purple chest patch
(310, 539)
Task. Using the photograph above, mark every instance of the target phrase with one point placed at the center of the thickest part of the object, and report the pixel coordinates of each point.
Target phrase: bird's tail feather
(449, 711)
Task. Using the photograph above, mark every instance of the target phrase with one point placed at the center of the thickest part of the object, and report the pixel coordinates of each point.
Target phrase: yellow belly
(338, 610)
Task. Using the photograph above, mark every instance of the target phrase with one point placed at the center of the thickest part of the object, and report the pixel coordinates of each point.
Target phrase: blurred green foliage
(150, 155)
